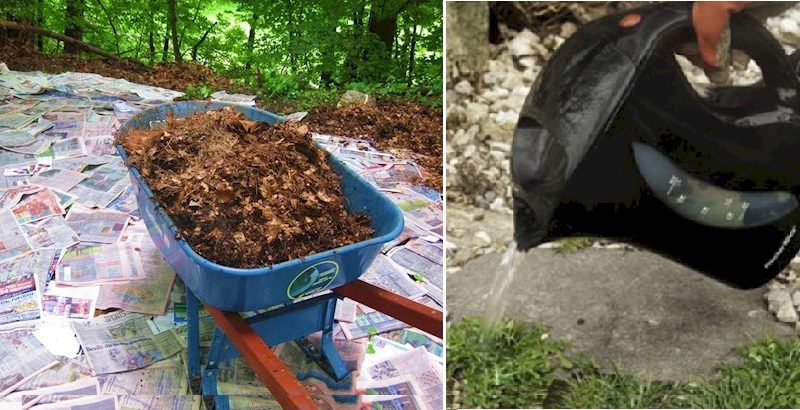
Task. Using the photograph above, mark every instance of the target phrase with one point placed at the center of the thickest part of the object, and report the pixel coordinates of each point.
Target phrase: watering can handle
(750, 36)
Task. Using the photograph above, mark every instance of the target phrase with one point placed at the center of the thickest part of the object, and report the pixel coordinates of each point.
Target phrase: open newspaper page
(150, 293)
(83, 403)
(416, 364)
(22, 356)
(50, 233)
(370, 323)
(20, 304)
(153, 402)
(13, 242)
(10, 196)
(69, 303)
(66, 369)
(88, 386)
(122, 341)
(384, 273)
(85, 264)
(97, 225)
(165, 378)
(61, 179)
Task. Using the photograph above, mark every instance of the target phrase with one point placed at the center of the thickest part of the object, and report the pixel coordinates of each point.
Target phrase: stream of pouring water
(503, 276)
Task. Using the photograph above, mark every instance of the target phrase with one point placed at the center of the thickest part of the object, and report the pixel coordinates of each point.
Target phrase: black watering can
(614, 142)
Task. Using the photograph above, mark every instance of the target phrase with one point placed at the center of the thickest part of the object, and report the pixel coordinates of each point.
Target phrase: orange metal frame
(284, 386)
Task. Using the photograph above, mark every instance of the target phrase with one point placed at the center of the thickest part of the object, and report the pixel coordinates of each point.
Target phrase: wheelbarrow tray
(236, 289)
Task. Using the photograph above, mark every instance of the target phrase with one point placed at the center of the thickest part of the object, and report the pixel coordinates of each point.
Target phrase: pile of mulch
(245, 194)
(389, 126)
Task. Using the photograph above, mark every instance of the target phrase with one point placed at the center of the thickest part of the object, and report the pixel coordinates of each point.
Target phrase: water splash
(503, 277)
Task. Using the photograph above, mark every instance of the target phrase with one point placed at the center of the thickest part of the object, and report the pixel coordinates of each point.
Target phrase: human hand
(712, 52)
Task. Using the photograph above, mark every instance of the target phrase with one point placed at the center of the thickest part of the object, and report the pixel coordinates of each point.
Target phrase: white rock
(499, 146)
(528, 61)
(786, 313)
(777, 298)
(463, 87)
(507, 117)
(483, 238)
(568, 29)
(521, 91)
(499, 204)
(489, 78)
(476, 112)
(790, 29)
(469, 151)
(521, 44)
(512, 81)
(796, 298)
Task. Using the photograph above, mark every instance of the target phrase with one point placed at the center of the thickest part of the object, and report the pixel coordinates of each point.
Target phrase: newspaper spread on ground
(415, 365)
(22, 356)
(20, 301)
(122, 341)
(154, 402)
(165, 378)
(81, 387)
(68, 216)
(97, 225)
(150, 293)
(85, 264)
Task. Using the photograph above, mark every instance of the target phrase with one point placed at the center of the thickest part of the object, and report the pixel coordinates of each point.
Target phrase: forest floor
(390, 125)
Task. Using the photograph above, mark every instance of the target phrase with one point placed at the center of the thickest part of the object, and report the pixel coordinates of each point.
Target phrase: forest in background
(290, 49)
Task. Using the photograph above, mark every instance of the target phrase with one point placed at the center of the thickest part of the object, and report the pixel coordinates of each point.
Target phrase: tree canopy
(283, 46)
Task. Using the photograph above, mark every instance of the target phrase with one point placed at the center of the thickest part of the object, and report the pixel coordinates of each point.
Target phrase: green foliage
(298, 47)
(572, 245)
(199, 92)
(502, 366)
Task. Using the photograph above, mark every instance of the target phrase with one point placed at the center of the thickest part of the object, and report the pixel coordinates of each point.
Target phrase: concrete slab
(653, 317)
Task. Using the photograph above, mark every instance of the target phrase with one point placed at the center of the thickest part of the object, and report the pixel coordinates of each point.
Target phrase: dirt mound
(174, 76)
(389, 126)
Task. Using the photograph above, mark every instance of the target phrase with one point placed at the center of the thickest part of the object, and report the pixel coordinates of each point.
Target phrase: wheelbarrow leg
(193, 340)
(281, 382)
(211, 371)
(328, 359)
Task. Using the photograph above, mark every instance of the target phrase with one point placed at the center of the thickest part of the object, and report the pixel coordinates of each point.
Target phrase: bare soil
(245, 194)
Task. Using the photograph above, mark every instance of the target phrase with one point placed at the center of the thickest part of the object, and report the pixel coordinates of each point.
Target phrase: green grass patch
(572, 245)
(507, 365)
(510, 365)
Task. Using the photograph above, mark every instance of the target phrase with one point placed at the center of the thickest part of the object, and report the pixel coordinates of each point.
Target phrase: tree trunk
(79, 45)
(39, 23)
(202, 39)
(173, 27)
(152, 47)
(165, 50)
(384, 26)
(292, 34)
(251, 41)
(411, 52)
(467, 37)
(74, 24)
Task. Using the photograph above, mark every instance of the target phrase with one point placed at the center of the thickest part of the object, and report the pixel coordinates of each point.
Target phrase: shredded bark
(242, 193)
(389, 126)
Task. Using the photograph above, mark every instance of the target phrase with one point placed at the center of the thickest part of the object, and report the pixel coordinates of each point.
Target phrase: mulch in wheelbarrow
(242, 193)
